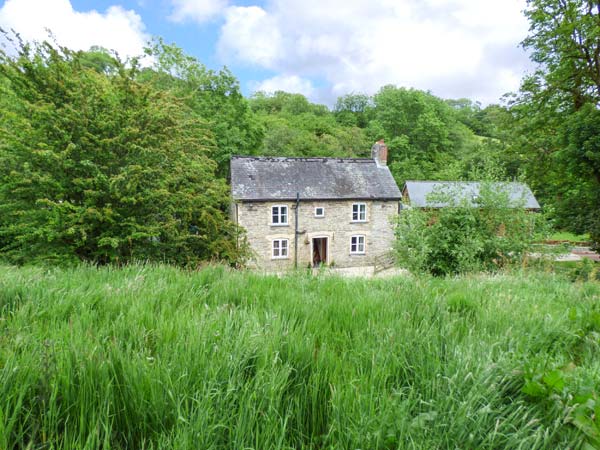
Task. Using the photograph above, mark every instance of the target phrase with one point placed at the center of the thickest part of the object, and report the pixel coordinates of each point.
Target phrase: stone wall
(336, 225)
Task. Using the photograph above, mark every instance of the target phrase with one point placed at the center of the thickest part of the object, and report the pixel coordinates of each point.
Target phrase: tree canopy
(107, 160)
(555, 114)
(99, 165)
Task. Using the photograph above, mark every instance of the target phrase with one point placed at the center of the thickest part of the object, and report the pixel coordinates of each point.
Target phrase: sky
(320, 48)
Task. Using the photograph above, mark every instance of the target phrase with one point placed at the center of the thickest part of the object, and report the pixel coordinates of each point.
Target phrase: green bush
(468, 235)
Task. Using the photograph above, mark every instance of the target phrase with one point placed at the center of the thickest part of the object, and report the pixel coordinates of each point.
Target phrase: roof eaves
(319, 199)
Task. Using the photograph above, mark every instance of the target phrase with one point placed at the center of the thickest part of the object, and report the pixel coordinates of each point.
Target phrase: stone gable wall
(336, 225)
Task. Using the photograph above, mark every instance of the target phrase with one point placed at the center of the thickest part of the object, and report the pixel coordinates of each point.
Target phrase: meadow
(149, 357)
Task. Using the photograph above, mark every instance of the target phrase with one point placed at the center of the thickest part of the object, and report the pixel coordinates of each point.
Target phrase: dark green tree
(555, 110)
(98, 166)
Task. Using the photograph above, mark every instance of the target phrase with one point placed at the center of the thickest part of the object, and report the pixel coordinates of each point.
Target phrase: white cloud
(197, 10)
(116, 29)
(456, 48)
(288, 83)
(251, 35)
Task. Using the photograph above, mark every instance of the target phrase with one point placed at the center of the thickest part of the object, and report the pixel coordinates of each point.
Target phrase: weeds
(155, 357)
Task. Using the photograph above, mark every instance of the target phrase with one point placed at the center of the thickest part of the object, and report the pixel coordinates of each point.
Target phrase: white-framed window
(357, 245)
(359, 212)
(319, 211)
(280, 248)
(279, 215)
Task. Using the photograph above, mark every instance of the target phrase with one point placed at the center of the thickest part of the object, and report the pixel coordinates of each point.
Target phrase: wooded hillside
(107, 160)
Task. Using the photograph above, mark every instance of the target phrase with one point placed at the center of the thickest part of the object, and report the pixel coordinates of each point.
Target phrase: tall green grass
(149, 357)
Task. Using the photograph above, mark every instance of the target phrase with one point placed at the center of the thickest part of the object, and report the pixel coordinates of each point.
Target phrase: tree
(296, 127)
(422, 131)
(353, 109)
(215, 97)
(101, 167)
(564, 40)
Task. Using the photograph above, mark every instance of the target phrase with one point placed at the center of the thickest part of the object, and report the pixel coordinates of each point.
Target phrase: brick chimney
(379, 153)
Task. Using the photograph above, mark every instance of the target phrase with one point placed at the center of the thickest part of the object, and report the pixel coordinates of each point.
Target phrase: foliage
(96, 165)
(486, 233)
(154, 357)
(214, 97)
(295, 127)
(555, 112)
(428, 138)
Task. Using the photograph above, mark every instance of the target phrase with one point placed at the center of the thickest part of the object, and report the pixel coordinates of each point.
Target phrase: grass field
(154, 357)
(568, 236)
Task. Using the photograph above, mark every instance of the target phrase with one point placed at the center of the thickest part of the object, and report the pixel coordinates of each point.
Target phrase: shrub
(468, 235)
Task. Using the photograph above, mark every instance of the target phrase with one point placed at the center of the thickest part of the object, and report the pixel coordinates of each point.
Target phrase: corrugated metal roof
(418, 192)
(271, 178)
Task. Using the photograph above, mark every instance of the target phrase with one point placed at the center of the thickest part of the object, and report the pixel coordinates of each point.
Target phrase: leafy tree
(295, 127)
(560, 157)
(99, 59)
(422, 131)
(96, 165)
(215, 97)
(354, 109)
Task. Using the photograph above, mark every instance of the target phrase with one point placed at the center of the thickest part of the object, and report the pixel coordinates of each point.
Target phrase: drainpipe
(237, 227)
(296, 233)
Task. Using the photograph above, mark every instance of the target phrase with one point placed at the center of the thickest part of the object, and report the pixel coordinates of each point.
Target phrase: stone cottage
(301, 212)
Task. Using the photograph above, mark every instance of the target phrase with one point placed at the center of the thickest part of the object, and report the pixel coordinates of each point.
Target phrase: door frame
(312, 249)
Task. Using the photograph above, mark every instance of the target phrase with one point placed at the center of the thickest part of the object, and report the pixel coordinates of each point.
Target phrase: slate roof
(273, 178)
(418, 191)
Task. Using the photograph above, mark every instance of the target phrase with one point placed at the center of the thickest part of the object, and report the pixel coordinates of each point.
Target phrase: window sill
(359, 221)
(279, 257)
(280, 224)
(358, 254)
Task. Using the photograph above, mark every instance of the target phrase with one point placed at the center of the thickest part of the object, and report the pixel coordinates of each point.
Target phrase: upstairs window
(359, 212)
(357, 245)
(279, 215)
(280, 249)
(319, 211)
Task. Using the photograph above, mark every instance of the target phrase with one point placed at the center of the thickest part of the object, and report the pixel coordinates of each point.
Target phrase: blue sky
(320, 48)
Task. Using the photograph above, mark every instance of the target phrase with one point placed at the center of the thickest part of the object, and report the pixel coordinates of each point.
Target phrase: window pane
(275, 214)
(363, 212)
(284, 249)
(283, 213)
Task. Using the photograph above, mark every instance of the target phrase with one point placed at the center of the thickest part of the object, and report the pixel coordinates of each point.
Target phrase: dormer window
(359, 212)
(279, 215)
(319, 211)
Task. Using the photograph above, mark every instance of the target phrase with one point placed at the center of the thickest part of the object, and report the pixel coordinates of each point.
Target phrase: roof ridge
(464, 182)
(304, 158)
